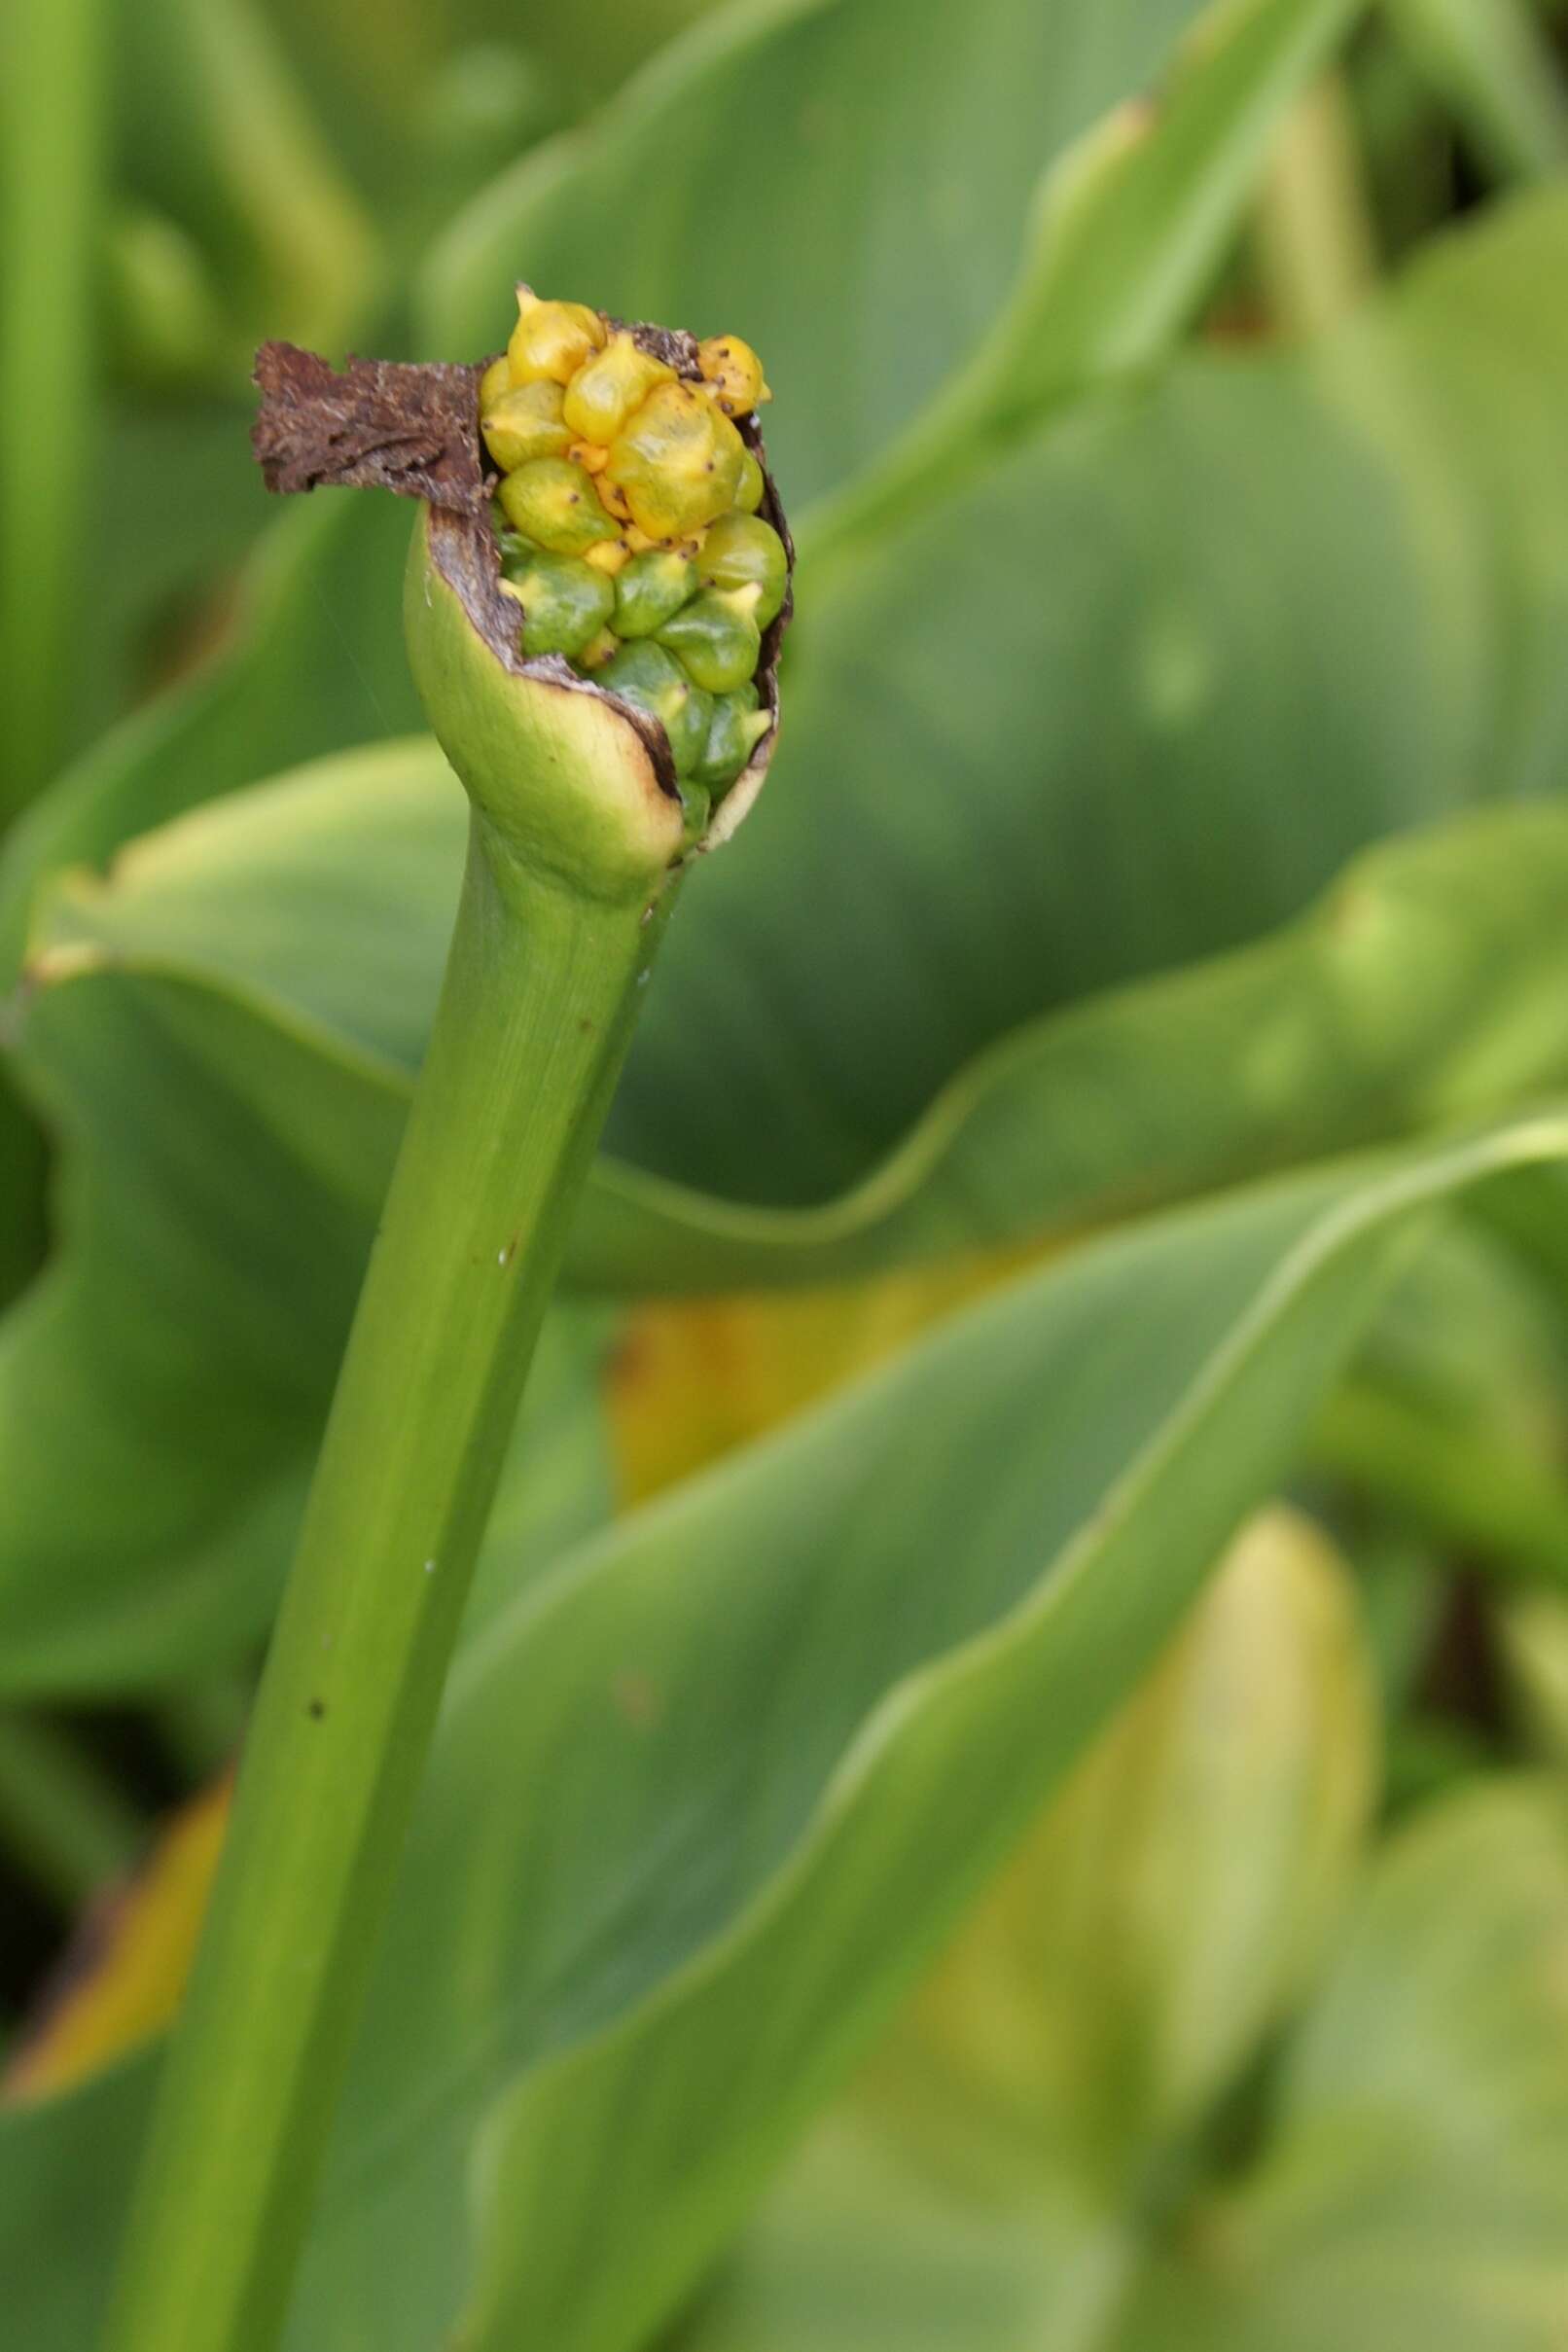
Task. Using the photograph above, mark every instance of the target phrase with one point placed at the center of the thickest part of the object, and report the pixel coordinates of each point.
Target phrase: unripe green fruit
(551, 339)
(749, 497)
(678, 462)
(734, 730)
(565, 602)
(696, 807)
(554, 502)
(523, 424)
(652, 680)
(741, 551)
(650, 589)
(717, 637)
(608, 388)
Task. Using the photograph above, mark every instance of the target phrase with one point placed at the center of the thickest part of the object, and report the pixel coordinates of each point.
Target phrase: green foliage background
(923, 1848)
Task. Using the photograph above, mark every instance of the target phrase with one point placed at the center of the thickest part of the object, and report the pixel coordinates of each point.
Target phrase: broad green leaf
(1494, 62)
(238, 975)
(1155, 770)
(316, 663)
(1173, 1904)
(670, 1801)
(1414, 2189)
(596, 2146)
(224, 1036)
(842, 181)
(979, 2187)
(1409, 2190)
(1132, 832)
(1425, 989)
(163, 1385)
(1129, 228)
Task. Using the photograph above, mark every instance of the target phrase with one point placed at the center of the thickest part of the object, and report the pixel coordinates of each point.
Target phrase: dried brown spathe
(380, 424)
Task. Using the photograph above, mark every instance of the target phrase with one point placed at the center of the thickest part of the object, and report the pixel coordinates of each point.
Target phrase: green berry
(696, 807)
(740, 549)
(554, 502)
(565, 602)
(652, 680)
(688, 736)
(733, 732)
(650, 590)
(717, 637)
(749, 497)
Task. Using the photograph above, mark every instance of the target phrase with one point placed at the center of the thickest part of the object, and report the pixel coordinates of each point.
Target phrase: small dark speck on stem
(316, 1709)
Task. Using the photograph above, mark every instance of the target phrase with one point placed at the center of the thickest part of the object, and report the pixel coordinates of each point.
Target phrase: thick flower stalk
(605, 727)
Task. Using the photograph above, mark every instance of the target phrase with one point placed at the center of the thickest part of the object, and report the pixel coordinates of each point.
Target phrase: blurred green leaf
(1134, 696)
(313, 661)
(981, 2183)
(215, 135)
(597, 2146)
(1172, 1906)
(1415, 2190)
(885, 166)
(181, 1352)
(1409, 2191)
(794, 1052)
(1218, 550)
(1425, 990)
(1533, 1633)
(1453, 1419)
(223, 1035)
(671, 1804)
(1493, 60)
(1129, 228)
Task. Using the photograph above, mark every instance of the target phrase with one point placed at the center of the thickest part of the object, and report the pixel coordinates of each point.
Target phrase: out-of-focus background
(1172, 409)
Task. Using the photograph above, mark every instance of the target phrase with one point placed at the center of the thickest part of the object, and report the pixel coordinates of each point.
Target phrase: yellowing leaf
(125, 1984)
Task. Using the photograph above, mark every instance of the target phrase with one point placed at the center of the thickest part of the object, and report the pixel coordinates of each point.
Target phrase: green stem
(51, 103)
(74, 1833)
(1316, 248)
(536, 1011)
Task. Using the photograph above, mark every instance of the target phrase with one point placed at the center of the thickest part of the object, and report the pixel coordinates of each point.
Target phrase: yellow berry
(735, 373)
(590, 454)
(609, 555)
(601, 648)
(551, 339)
(494, 383)
(525, 423)
(679, 462)
(607, 388)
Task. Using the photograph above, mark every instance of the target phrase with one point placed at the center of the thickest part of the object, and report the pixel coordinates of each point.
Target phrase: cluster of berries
(628, 526)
